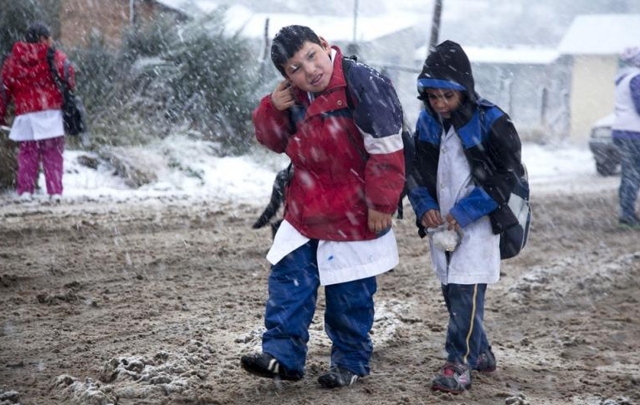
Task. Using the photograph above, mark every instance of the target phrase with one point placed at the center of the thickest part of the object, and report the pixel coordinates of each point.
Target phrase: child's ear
(324, 44)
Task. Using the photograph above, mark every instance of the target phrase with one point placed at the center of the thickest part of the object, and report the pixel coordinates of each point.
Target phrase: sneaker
(338, 377)
(25, 197)
(55, 198)
(632, 222)
(486, 362)
(267, 366)
(454, 378)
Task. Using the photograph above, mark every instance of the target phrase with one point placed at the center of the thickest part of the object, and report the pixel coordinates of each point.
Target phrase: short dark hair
(36, 31)
(288, 41)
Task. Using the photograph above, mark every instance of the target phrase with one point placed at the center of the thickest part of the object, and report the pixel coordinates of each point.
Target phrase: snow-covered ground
(187, 171)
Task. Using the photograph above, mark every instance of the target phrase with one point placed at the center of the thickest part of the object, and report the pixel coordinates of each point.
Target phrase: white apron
(477, 259)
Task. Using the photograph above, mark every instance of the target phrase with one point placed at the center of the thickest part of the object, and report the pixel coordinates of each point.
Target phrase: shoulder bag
(72, 107)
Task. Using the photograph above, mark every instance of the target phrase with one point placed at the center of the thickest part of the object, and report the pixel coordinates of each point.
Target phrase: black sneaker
(338, 377)
(486, 362)
(265, 365)
(454, 378)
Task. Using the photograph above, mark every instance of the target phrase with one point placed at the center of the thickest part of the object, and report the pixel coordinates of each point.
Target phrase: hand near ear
(282, 97)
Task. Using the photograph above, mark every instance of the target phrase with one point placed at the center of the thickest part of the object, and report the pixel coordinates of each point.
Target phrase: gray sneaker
(486, 362)
(338, 377)
(454, 378)
(629, 223)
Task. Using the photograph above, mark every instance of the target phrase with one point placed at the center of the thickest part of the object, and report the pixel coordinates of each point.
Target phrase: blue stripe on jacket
(372, 113)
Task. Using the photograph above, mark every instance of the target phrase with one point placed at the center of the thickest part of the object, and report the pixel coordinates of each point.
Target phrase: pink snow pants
(49, 151)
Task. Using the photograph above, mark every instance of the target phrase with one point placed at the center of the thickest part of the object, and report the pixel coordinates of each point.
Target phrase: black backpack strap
(407, 139)
(62, 85)
(347, 62)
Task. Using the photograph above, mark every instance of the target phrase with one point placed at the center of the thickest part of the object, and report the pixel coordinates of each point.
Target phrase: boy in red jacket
(347, 179)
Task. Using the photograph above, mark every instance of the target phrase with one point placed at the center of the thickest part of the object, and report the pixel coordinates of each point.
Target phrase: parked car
(606, 154)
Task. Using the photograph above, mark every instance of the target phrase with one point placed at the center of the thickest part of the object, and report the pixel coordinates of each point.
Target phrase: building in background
(529, 83)
(386, 41)
(593, 44)
(82, 20)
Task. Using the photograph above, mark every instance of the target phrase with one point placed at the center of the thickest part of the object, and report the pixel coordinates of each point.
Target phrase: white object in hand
(446, 240)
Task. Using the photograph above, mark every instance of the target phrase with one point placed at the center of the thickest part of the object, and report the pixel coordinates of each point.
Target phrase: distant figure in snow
(38, 126)
(339, 202)
(626, 134)
(467, 160)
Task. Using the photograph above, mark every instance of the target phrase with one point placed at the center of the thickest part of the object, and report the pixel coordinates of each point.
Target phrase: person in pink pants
(38, 126)
(30, 154)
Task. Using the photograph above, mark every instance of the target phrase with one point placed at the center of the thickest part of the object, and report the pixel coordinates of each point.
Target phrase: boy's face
(310, 69)
(444, 101)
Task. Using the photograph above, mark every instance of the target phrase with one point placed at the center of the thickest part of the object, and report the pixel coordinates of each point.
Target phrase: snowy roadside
(188, 173)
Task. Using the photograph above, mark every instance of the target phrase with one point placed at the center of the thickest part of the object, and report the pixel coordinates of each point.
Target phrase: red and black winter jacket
(27, 80)
(345, 161)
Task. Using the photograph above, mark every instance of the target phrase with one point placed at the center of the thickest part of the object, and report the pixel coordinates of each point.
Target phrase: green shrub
(16, 16)
(212, 80)
(170, 79)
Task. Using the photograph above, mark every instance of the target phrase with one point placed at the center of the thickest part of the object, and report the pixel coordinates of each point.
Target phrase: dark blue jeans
(466, 337)
(348, 318)
(630, 177)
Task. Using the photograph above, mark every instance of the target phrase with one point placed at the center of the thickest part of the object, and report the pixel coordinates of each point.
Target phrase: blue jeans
(348, 318)
(466, 338)
(630, 177)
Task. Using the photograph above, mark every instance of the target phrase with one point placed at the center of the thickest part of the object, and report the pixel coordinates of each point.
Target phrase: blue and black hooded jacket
(491, 144)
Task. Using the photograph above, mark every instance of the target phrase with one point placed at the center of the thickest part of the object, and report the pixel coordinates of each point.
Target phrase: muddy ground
(153, 302)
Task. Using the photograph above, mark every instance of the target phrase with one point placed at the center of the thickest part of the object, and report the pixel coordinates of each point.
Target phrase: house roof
(601, 34)
(191, 7)
(334, 28)
(517, 55)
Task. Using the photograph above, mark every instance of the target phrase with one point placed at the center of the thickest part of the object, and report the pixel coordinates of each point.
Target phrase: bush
(16, 16)
(212, 86)
(165, 80)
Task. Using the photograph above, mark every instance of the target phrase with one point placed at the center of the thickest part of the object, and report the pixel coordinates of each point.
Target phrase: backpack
(73, 113)
(407, 138)
(514, 238)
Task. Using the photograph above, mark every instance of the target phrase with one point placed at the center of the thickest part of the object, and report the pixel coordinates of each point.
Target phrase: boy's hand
(378, 221)
(453, 224)
(282, 97)
(431, 219)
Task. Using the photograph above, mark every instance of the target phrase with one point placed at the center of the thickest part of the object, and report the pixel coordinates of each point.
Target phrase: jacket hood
(28, 54)
(447, 67)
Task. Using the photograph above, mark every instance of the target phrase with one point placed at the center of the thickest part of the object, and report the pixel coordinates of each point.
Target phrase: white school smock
(36, 126)
(340, 262)
(477, 259)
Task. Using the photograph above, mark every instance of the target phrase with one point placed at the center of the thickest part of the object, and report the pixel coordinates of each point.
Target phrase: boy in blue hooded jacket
(466, 163)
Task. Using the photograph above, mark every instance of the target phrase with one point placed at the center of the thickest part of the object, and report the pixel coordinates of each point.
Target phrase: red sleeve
(384, 180)
(272, 126)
